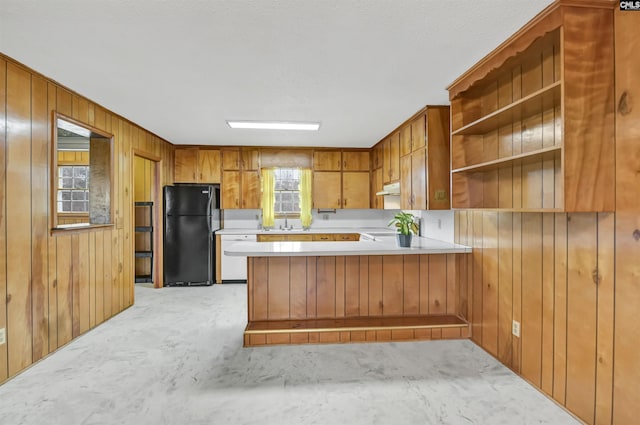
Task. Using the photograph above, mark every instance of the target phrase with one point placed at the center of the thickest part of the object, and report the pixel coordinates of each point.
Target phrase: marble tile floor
(176, 358)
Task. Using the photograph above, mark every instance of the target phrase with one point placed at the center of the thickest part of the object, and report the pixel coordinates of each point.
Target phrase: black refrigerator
(191, 216)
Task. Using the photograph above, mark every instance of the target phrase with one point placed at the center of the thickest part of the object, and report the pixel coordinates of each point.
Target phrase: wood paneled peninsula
(353, 291)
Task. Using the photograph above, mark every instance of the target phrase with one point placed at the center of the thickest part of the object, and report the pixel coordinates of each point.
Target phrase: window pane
(79, 172)
(66, 206)
(78, 206)
(79, 183)
(296, 207)
(77, 196)
(67, 183)
(66, 171)
(279, 185)
(65, 195)
(286, 197)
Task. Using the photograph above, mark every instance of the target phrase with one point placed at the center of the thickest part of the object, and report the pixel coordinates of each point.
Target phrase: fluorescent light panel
(275, 125)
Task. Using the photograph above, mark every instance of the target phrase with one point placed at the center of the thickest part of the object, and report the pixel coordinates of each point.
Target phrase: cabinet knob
(344, 164)
(345, 202)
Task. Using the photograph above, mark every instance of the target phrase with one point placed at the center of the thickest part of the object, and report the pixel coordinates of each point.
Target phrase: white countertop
(369, 230)
(380, 245)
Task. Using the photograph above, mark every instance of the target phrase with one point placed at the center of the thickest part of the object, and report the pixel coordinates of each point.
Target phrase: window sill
(66, 229)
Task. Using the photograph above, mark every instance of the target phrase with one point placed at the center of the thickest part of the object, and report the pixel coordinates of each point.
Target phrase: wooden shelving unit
(532, 124)
(145, 228)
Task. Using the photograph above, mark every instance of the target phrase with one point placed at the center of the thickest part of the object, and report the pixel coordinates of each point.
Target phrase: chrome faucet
(286, 223)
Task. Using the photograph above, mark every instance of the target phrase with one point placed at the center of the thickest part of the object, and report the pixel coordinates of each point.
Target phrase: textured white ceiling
(180, 68)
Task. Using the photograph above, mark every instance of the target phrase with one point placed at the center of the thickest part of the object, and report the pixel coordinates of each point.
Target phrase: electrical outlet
(515, 328)
(3, 337)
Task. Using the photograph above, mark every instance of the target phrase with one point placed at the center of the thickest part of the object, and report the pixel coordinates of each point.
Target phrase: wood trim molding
(546, 21)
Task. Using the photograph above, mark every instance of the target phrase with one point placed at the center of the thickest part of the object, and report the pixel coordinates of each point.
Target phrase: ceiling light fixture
(275, 125)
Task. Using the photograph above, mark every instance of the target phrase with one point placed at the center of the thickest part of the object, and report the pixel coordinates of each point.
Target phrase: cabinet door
(230, 159)
(324, 237)
(418, 127)
(272, 238)
(405, 140)
(438, 159)
(250, 159)
(386, 161)
(185, 165)
(406, 196)
(418, 180)
(250, 190)
(376, 186)
(327, 160)
(355, 189)
(209, 166)
(326, 189)
(347, 237)
(230, 189)
(300, 238)
(394, 157)
(378, 156)
(355, 161)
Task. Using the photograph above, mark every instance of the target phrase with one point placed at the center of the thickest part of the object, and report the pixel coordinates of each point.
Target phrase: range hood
(391, 189)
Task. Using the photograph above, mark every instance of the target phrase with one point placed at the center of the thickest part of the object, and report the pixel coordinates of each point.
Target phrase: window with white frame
(73, 188)
(287, 191)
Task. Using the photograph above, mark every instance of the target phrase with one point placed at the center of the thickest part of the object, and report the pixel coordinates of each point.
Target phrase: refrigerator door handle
(209, 211)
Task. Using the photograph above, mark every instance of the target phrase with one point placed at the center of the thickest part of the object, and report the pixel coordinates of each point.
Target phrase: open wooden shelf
(355, 324)
(541, 100)
(523, 158)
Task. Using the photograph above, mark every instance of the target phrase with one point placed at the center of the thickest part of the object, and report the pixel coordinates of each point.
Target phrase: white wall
(433, 224)
(250, 219)
(436, 224)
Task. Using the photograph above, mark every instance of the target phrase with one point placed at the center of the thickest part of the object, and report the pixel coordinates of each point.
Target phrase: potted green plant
(406, 225)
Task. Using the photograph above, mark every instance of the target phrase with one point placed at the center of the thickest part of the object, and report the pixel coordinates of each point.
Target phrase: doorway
(147, 220)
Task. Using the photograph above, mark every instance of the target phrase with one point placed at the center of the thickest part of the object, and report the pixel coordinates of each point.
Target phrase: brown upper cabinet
(355, 160)
(391, 158)
(325, 160)
(377, 157)
(208, 166)
(327, 189)
(418, 129)
(194, 165)
(335, 189)
(420, 162)
(240, 189)
(533, 122)
(355, 189)
(231, 159)
(250, 159)
(405, 140)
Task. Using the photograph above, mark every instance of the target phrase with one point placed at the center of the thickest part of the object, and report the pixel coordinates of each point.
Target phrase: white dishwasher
(234, 268)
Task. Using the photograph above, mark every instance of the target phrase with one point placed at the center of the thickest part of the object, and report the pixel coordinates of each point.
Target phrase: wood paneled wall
(354, 286)
(553, 273)
(572, 280)
(55, 287)
(626, 365)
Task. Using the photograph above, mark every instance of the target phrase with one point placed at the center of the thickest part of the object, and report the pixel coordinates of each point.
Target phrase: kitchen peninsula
(353, 291)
